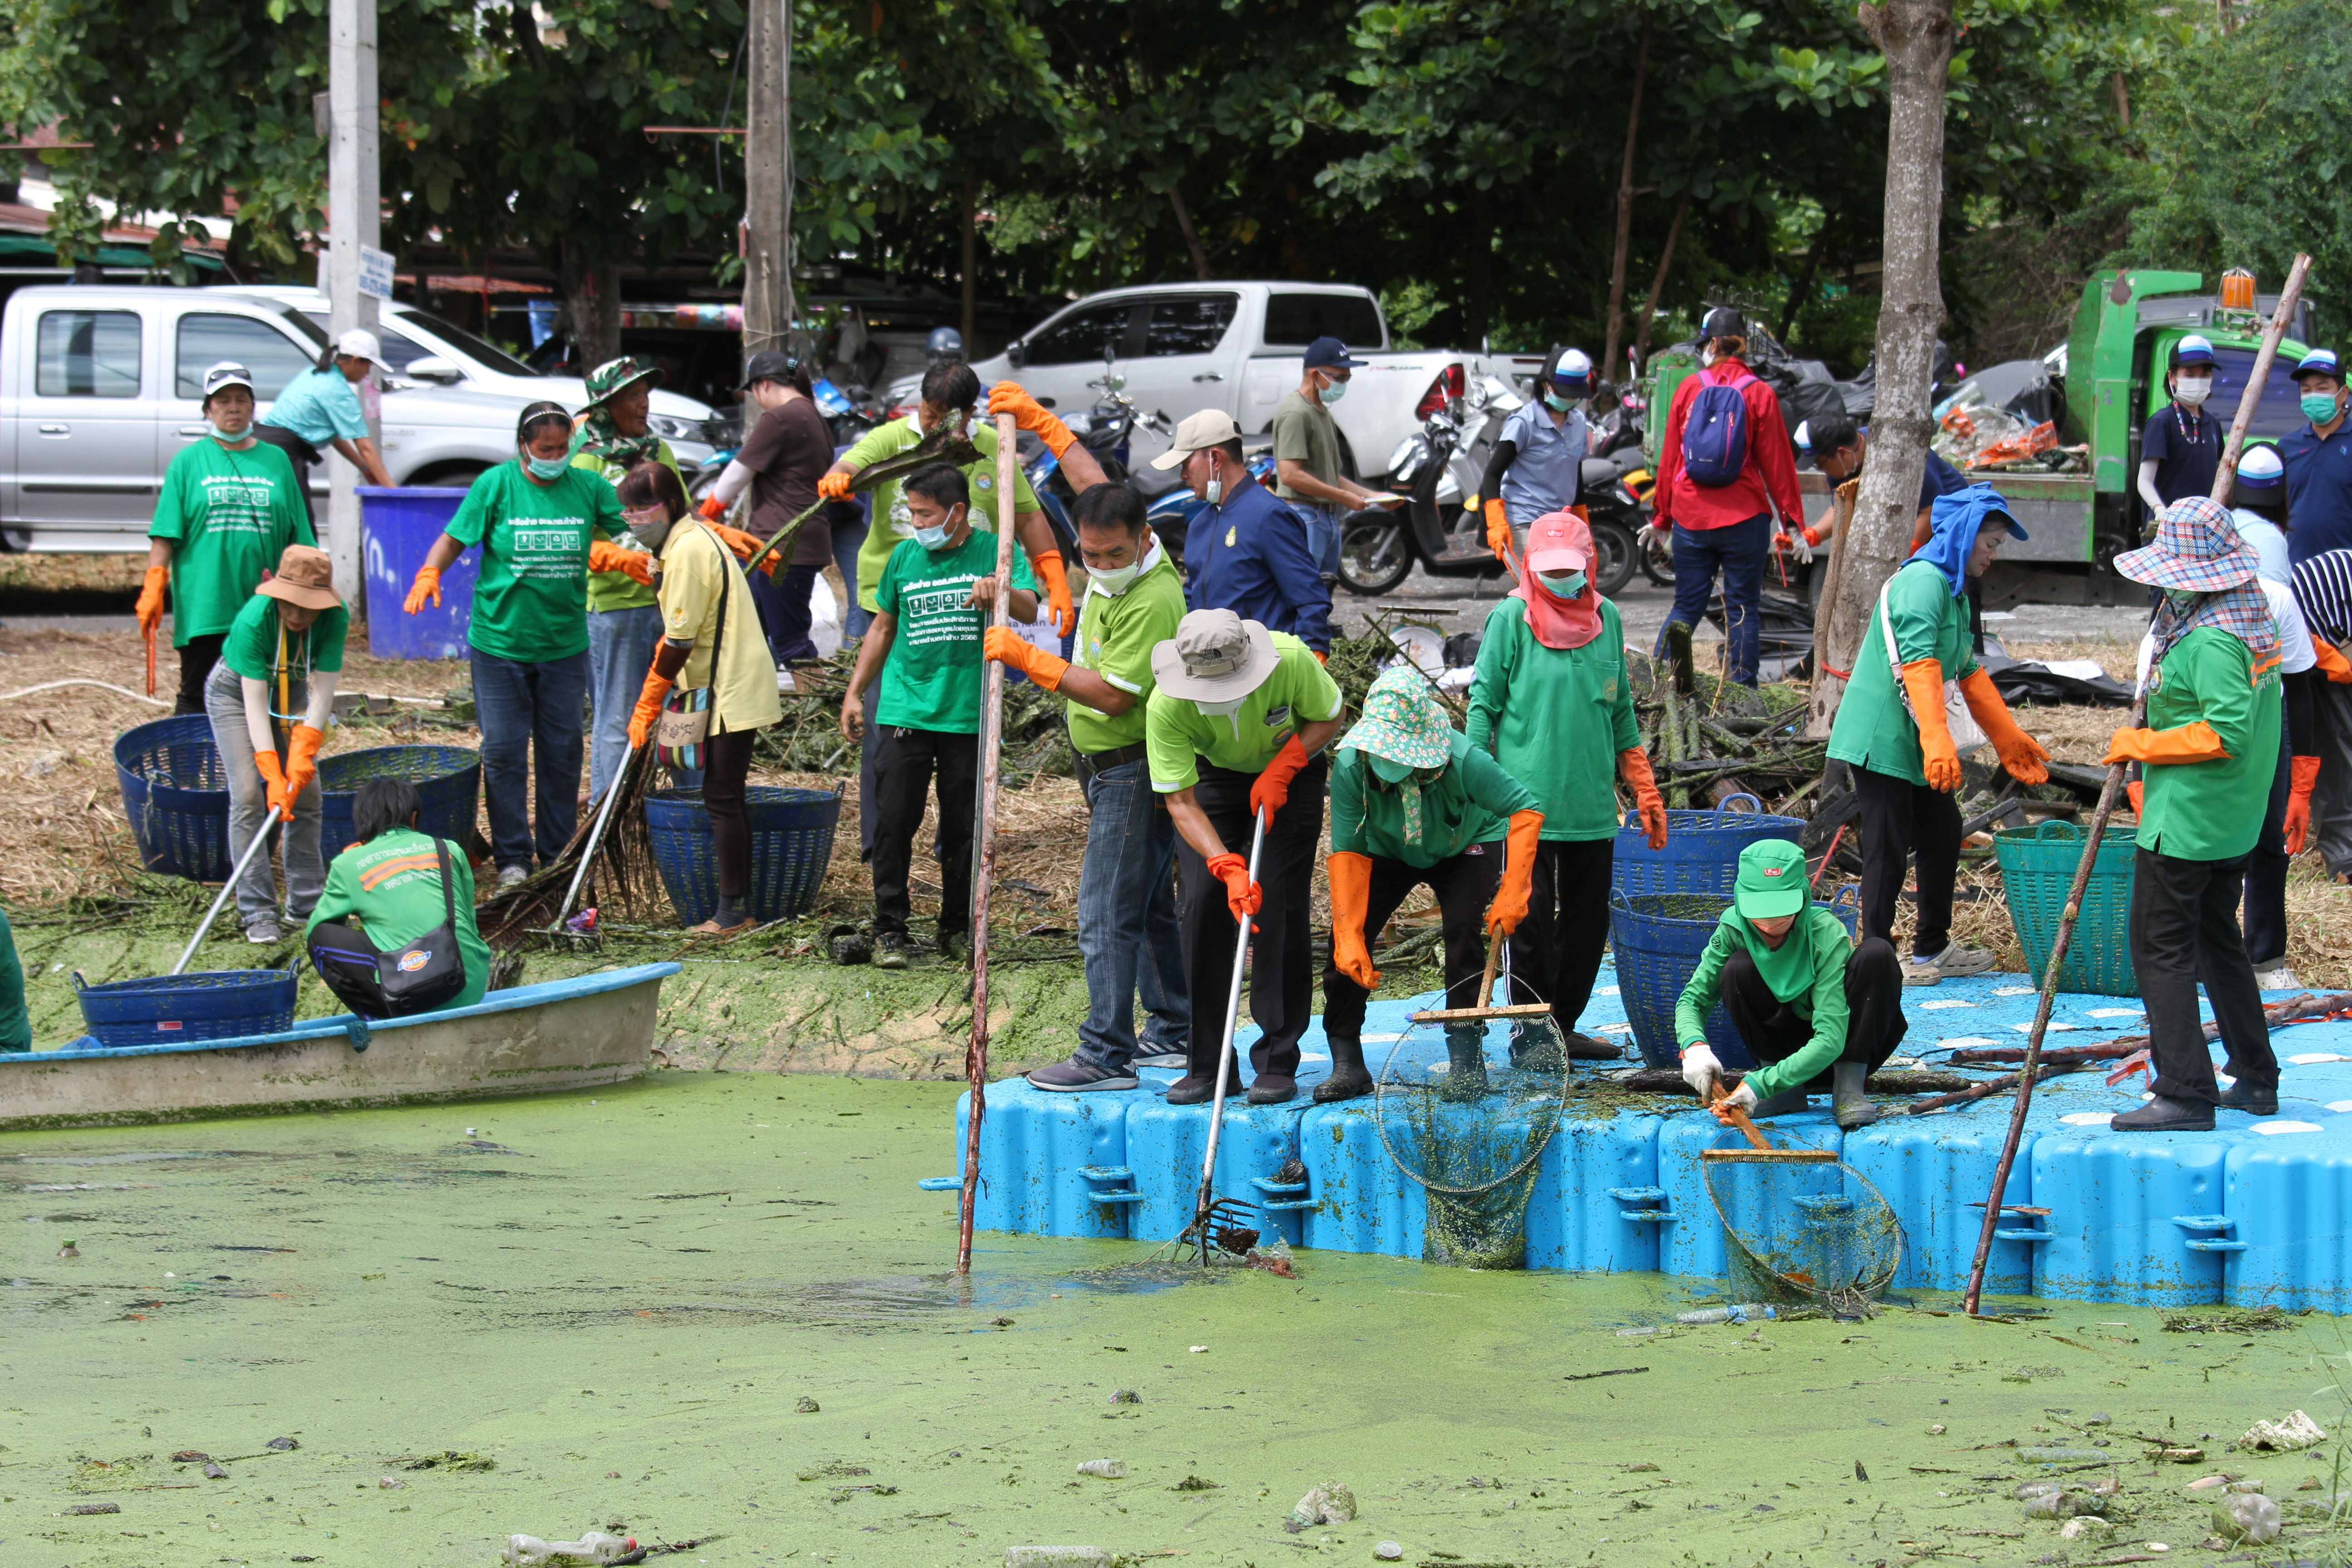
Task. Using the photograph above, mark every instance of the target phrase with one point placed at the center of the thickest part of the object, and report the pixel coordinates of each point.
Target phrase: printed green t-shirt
(230, 516)
(251, 647)
(530, 600)
(1117, 633)
(932, 679)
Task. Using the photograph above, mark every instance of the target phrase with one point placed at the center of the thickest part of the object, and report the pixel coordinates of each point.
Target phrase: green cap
(1772, 879)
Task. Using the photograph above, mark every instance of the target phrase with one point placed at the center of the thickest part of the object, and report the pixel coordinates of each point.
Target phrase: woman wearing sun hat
(2209, 752)
(1414, 803)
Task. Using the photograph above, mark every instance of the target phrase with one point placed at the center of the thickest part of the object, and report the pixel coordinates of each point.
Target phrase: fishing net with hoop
(1809, 1231)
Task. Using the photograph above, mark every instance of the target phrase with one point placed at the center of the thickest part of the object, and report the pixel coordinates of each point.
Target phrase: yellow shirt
(698, 573)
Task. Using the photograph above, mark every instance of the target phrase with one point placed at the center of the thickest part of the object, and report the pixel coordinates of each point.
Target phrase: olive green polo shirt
(1117, 633)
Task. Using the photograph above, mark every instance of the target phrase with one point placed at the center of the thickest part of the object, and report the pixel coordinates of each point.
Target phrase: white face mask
(2192, 390)
(1114, 580)
(1229, 711)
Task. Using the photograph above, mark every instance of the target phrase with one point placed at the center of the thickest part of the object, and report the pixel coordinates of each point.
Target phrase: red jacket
(1769, 474)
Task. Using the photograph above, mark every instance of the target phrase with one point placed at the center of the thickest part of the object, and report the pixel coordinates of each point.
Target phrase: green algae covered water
(714, 1308)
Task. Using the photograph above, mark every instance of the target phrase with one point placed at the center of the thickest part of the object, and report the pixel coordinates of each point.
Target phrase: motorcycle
(1107, 430)
(849, 413)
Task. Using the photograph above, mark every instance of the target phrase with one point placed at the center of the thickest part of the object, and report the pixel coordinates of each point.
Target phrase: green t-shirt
(251, 647)
(232, 515)
(1872, 729)
(1806, 971)
(931, 679)
(391, 887)
(1470, 803)
(16, 1021)
(892, 522)
(1117, 633)
(1177, 734)
(618, 590)
(1555, 718)
(530, 600)
(1306, 433)
(2211, 811)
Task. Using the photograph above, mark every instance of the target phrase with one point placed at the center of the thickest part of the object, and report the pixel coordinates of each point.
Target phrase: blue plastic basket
(1702, 852)
(173, 1009)
(175, 796)
(448, 778)
(1657, 938)
(792, 844)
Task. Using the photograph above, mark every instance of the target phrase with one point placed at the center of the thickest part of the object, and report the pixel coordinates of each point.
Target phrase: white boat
(581, 1033)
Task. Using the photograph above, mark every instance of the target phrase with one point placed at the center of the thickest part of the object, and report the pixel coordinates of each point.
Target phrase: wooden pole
(991, 736)
(768, 305)
(2029, 1068)
(1626, 208)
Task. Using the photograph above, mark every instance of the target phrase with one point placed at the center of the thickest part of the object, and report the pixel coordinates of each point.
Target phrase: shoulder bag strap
(728, 571)
(448, 885)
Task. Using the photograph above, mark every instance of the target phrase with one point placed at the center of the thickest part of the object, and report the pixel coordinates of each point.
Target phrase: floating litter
(1932, 1006)
(2309, 1059)
(2088, 1118)
(2277, 1126)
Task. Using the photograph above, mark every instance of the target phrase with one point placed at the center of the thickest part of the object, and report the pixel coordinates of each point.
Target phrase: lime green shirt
(391, 887)
(251, 646)
(1117, 633)
(1177, 734)
(931, 679)
(230, 515)
(1806, 971)
(1470, 803)
(1872, 729)
(530, 600)
(2211, 811)
(892, 522)
(618, 590)
(1555, 718)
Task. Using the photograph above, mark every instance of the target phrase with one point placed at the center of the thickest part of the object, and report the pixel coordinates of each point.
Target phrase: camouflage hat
(612, 375)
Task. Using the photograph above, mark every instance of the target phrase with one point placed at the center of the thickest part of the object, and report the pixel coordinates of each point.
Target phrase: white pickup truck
(1239, 346)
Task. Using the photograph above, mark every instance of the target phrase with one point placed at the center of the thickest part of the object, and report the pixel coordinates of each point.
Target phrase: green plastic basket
(2037, 867)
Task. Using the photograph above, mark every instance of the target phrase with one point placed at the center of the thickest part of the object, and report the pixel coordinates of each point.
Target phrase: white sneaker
(2281, 978)
(510, 875)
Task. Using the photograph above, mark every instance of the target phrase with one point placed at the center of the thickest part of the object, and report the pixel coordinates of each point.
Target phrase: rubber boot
(1465, 1072)
(1788, 1103)
(2164, 1114)
(1348, 1079)
(1849, 1102)
(2243, 1096)
(1536, 1047)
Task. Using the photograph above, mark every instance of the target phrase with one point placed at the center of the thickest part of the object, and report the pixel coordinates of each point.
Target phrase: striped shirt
(2323, 590)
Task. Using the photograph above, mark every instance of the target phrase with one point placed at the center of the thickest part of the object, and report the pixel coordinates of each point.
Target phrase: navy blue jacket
(1250, 555)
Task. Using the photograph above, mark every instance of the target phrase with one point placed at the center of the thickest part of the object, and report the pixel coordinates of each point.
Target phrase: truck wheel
(1374, 555)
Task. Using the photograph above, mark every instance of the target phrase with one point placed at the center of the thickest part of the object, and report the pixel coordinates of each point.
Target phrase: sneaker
(1165, 1060)
(1954, 961)
(2163, 1114)
(264, 934)
(1076, 1078)
(2278, 978)
(955, 947)
(889, 950)
(509, 876)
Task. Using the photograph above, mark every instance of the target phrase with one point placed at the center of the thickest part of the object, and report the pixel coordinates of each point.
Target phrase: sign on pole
(376, 272)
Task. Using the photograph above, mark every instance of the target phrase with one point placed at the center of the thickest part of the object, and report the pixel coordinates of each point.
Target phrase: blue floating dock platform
(2256, 1212)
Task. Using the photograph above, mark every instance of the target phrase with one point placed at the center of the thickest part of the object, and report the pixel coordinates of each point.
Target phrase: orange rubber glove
(1498, 528)
(1271, 792)
(2191, 743)
(1008, 646)
(746, 546)
(1649, 805)
(1028, 414)
(428, 581)
(833, 485)
(649, 708)
(603, 556)
(2333, 664)
(302, 761)
(150, 598)
(274, 778)
(2020, 752)
(1940, 759)
(2303, 773)
(1511, 895)
(2132, 791)
(1352, 896)
(1047, 564)
(712, 509)
(1243, 896)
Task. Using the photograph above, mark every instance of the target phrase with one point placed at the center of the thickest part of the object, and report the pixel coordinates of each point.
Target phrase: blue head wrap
(1959, 518)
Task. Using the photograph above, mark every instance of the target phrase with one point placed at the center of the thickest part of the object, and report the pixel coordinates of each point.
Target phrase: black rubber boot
(1849, 1102)
(1465, 1072)
(2164, 1114)
(1348, 1079)
(2243, 1096)
(1535, 1047)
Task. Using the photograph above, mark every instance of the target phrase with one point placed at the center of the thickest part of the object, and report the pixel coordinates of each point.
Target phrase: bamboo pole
(2028, 1070)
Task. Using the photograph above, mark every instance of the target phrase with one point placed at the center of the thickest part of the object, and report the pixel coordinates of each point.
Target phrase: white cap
(359, 344)
(1209, 427)
(227, 372)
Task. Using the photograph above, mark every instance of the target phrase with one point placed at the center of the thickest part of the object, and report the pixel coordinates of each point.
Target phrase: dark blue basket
(448, 778)
(175, 796)
(1702, 852)
(792, 844)
(173, 1009)
(1657, 938)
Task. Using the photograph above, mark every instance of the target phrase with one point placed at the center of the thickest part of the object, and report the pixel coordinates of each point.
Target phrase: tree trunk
(592, 306)
(1626, 208)
(1482, 270)
(971, 252)
(1192, 238)
(1915, 37)
(1658, 287)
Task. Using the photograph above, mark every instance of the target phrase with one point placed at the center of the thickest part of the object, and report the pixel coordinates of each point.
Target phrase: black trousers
(1464, 885)
(1899, 818)
(198, 656)
(346, 961)
(2266, 867)
(2184, 930)
(1555, 952)
(300, 453)
(1775, 1030)
(1282, 952)
(904, 764)
(727, 761)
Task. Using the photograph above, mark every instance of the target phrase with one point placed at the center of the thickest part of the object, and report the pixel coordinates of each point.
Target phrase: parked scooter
(1107, 430)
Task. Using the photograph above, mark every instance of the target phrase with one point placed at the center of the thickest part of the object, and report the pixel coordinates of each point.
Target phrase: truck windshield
(2280, 409)
(1293, 320)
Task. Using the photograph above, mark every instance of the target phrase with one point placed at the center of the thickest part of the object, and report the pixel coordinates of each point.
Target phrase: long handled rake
(260, 837)
(1207, 1208)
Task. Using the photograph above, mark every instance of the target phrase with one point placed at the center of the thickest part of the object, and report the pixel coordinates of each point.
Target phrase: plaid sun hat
(2199, 549)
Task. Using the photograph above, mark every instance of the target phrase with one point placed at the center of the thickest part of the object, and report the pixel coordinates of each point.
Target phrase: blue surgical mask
(1334, 392)
(933, 538)
(2319, 407)
(1567, 588)
(547, 467)
(231, 437)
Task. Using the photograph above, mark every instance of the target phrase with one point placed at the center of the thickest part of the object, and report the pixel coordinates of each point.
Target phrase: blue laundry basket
(174, 1009)
(792, 845)
(1657, 938)
(448, 779)
(1702, 852)
(175, 796)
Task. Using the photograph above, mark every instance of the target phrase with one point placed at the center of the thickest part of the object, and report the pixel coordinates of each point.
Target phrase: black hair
(1232, 448)
(1109, 505)
(1832, 434)
(538, 414)
(652, 483)
(381, 805)
(942, 484)
(954, 385)
(2271, 511)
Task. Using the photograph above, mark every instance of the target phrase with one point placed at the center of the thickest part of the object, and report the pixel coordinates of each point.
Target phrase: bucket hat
(305, 576)
(1403, 722)
(2197, 548)
(1214, 657)
(616, 373)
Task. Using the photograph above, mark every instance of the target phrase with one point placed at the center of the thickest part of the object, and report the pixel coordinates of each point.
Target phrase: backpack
(1715, 432)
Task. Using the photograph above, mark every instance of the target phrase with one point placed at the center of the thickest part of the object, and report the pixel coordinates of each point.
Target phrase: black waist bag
(430, 971)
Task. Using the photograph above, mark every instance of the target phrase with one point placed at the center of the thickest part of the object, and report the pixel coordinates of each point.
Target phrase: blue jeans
(1737, 551)
(848, 539)
(1322, 533)
(530, 710)
(1127, 933)
(783, 606)
(620, 650)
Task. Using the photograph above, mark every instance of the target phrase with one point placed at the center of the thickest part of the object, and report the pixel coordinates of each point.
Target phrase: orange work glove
(2020, 752)
(603, 556)
(746, 546)
(2303, 773)
(428, 581)
(1940, 759)
(302, 761)
(1008, 646)
(150, 598)
(2132, 791)
(833, 485)
(1498, 528)
(1510, 905)
(2191, 743)
(2333, 664)
(1028, 414)
(1271, 792)
(1047, 564)
(649, 708)
(1649, 805)
(712, 509)
(1242, 895)
(1351, 895)
(274, 778)
(1320, 657)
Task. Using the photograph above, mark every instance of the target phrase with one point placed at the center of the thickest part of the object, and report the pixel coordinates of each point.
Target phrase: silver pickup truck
(98, 391)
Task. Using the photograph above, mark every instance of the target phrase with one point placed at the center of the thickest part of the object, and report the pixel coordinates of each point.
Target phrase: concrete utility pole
(354, 222)
(768, 305)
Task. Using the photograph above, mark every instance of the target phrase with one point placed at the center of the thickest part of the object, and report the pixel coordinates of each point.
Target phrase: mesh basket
(173, 1009)
(792, 844)
(2037, 867)
(448, 780)
(1702, 852)
(1657, 938)
(1804, 1232)
(175, 796)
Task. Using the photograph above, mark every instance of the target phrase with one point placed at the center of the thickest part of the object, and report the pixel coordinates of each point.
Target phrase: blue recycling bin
(400, 526)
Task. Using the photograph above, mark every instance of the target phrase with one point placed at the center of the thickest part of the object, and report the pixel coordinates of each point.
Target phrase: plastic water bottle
(595, 1547)
(1737, 1312)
